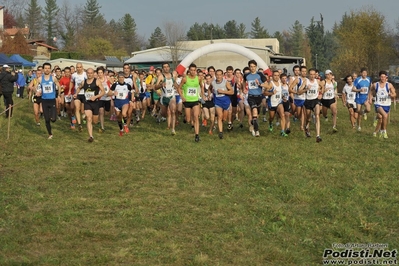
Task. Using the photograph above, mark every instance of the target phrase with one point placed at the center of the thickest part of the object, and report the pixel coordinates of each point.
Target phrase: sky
(274, 15)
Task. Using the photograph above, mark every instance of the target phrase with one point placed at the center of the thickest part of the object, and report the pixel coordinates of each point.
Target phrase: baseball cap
(5, 66)
(152, 68)
(328, 72)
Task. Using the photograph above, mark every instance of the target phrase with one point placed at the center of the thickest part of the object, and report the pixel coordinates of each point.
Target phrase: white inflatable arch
(215, 47)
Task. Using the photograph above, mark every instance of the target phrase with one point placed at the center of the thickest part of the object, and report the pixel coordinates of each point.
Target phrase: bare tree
(175, 33)
(69, 25)
(14, 6)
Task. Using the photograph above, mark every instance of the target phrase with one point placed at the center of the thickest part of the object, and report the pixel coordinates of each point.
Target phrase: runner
(189, 90)
(233, 98)
(222, 91)
(286, 102)
(329, 98)
(47, 87)
(168, 100)
(123, 96)
(384, 92)
(77, 80)
(254, 79)
(65, 83)
(93, 91)
(274, 90)
(348, 99)
(36, 98)
(362, 85)
(247, 108)
(312, 89)
(237, 87)
(208, 106)
(105, 101)
(297, 83)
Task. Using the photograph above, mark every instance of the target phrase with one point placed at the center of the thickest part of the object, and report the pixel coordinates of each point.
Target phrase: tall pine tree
(50, 16)
(258, 31)
(33, 18)
(157, 38)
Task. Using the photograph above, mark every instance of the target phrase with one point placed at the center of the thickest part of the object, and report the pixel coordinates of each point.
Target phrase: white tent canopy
(156, 55)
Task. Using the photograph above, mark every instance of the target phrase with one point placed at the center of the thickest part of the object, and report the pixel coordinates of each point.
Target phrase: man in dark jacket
(7, 79)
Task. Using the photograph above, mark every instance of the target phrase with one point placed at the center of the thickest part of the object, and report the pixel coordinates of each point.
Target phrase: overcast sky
(274, 15)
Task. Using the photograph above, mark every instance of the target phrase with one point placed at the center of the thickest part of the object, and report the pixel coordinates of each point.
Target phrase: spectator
(7, 79)
(21, 83)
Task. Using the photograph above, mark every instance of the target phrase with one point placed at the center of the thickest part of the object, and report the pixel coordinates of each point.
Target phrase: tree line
(361, 39)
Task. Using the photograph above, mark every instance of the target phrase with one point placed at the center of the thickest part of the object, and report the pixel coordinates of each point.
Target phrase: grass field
(149, 198)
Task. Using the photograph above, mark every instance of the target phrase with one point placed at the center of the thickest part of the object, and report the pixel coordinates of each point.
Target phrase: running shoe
(374, 134)
(270, 127)
(50, 137)
(204, 123)
(375, 123)
(307, 133)
(80, 128)
(120, 133)
(220, 135)
(91, 139)
(359, 129)
(210, 132)
(257, 134)
(335, 129)
(264, 119)
(283, 134)
(126, 128)
(230, 126)
(173, 132)
(318, 139)
(287, 131)
(365, 116)
(385, 135)
(241, 125)
(101, 130)
(197, 139)
(251, 129)
(38, 124)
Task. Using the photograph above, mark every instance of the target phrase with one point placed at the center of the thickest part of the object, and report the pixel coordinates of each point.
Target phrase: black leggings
(7, 101)
(49, 113)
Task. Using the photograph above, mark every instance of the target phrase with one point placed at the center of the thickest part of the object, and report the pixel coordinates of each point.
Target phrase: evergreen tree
(50, 16)
(297, 39)
(157, 38)
(241, 31)
(317, 42)
(128, 31)
(258, 31)
(33, 18)
(231, 29)
(91, 14)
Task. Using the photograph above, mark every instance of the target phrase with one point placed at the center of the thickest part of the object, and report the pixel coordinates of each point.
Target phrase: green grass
(149, 198)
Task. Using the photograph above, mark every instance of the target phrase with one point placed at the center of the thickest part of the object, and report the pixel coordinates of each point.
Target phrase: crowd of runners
(211, 98)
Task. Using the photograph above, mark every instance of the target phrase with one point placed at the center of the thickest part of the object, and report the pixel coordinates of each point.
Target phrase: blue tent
(4, 60)
(22, 61)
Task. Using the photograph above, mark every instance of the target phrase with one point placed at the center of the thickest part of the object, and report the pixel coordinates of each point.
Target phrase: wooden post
(9, 121)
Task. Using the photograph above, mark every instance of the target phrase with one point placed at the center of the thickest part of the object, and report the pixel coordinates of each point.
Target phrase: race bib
(48, 88)
(121, 95)
(68, 98)
(311, 92)
(252, 85)
(89, 94)
(364, 90)
(329, 94)
(192, 92)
